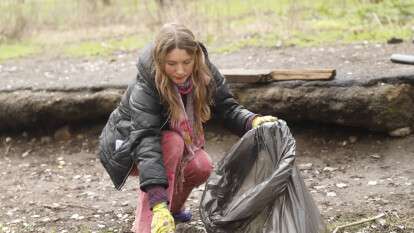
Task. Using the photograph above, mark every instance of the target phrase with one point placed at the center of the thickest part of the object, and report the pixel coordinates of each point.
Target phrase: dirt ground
(55, 183)
(52, 181)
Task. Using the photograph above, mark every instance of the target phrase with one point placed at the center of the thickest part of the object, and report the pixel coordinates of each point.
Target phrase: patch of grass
(378, 34)
(87, 49)
(104, 48)
(130, 43)
(319, 22)
(93, 26)
(328, 25)
(17, 50)
(235, 46)
(236, 8)
(256, 40)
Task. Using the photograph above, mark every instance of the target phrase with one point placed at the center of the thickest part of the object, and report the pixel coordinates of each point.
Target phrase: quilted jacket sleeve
(234, 115)
(146, 136)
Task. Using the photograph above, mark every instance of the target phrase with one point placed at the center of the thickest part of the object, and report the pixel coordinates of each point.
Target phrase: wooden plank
(303, 74)
(246, 76)
(263, 76)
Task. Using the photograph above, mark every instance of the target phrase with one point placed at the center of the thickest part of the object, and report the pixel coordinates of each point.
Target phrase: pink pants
(196, 173)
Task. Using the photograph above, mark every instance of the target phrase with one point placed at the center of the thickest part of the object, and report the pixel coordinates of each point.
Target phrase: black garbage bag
(258, 188)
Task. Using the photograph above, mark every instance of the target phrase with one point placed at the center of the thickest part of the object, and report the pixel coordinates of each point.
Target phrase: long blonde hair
(172, 36)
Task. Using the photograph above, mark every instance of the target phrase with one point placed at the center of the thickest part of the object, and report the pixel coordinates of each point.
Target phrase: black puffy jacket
(139, 119)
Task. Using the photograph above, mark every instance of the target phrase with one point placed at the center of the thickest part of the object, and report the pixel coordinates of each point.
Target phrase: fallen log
(25, 109)
(384, 105)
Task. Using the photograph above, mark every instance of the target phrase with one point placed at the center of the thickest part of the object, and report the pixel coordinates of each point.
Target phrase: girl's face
(179, 65)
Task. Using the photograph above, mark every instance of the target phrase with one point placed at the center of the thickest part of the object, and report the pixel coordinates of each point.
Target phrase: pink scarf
(185, 127)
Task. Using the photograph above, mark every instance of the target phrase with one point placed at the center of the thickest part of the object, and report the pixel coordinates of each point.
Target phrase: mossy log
(382, 105)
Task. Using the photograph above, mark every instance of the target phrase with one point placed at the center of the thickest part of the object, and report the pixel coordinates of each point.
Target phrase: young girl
(156, 132)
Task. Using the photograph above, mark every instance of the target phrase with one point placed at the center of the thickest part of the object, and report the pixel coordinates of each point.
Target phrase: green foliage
(130, 43)
(93, 28)
(104, 48)
(88, 49)
(17, 50)
(256, 40)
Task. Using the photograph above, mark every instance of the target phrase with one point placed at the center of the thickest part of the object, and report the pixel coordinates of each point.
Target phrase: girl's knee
(202, 175)
(199, 169)
(205, 172)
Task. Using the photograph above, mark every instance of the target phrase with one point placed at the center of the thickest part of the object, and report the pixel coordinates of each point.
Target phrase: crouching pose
(156, 132)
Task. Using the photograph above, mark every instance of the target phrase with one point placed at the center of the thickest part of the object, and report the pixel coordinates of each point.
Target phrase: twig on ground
(358, 222)
(7, 150)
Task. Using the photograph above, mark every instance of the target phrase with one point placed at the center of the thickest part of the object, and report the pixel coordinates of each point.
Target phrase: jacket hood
(146, 68)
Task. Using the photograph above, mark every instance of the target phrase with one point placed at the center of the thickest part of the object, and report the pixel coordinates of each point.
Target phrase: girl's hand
(162, 220)
(257, 121)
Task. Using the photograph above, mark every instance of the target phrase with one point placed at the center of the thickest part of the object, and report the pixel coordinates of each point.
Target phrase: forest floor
(52, 181)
